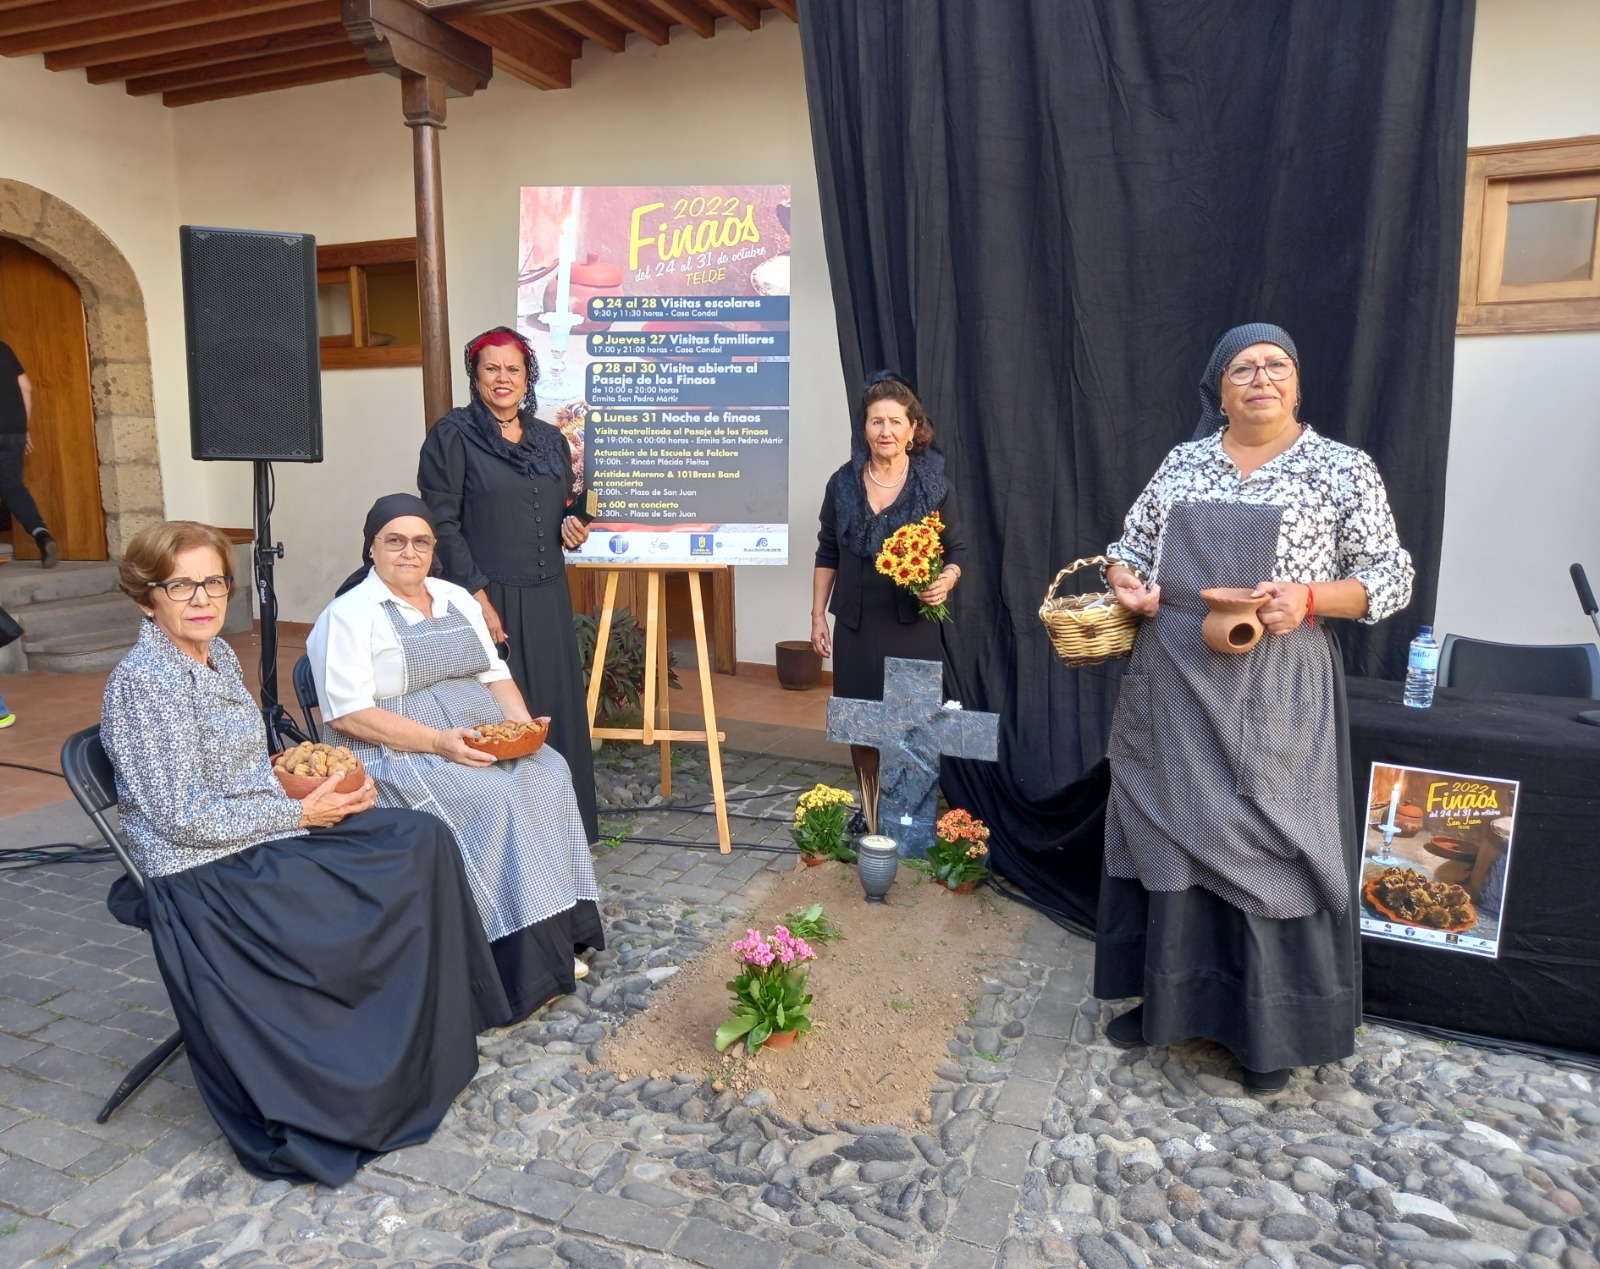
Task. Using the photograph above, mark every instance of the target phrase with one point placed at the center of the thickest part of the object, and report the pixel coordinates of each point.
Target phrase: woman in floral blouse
(325, 960)
(1228, 894)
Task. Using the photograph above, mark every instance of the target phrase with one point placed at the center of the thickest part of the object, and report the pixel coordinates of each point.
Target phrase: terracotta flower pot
(814, 861)
(781, 1039)
(799, 665)
(1232, 624)
(961, 887)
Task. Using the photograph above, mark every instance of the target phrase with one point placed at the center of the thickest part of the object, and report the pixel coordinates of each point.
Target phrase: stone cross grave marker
(911, 727)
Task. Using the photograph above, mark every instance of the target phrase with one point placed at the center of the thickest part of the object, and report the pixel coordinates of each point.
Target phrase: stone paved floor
(1042, 1145)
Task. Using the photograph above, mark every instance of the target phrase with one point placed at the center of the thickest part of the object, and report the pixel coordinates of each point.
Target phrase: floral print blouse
(1336, 517)
(193, 779)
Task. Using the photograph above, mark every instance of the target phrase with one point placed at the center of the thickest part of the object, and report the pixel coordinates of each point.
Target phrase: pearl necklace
(893, 484)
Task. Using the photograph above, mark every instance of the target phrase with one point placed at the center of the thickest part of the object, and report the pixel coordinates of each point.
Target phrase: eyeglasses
(180, 590)
(1243, 372)
(395, 543)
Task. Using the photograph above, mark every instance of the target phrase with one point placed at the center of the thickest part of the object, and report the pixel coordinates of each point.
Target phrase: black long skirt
(858, 654)
(329, 989)
(545, 664)
(1276, 993)
(535, 962)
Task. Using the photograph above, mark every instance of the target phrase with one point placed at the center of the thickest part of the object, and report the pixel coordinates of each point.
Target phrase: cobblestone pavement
(1065, 1151)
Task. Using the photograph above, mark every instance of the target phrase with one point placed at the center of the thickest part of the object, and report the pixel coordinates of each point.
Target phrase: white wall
(335, 160)
(1521, 502)
(111, 157)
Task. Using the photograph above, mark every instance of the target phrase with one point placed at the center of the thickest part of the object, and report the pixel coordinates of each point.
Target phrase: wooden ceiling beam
(241, 68)
(314, 13)
(453, 8)
(169, 17)
(517, 51)
(267, 83)
(789, 8)
(591, 25)
(36, 16)
(741, 11)
(690, 15)
(213, 54)
(563, 39)
(635, 17)
(400, 39)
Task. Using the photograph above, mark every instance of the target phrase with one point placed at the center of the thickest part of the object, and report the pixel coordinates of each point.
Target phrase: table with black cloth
(1544, 988)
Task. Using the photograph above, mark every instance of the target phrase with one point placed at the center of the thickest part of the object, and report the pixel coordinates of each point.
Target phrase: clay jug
(1232, 624)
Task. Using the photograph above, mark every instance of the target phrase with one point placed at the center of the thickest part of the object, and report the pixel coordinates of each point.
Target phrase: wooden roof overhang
(191, 51)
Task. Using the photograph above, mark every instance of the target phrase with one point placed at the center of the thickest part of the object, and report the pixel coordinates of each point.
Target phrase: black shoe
(1267, 1081)
(49, 552)
(1126, 1030)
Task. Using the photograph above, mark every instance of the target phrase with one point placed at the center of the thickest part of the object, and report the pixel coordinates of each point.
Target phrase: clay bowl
(1452, 848)
(1408, 818)
(299, 786)
(1232, 624)
(531, 741)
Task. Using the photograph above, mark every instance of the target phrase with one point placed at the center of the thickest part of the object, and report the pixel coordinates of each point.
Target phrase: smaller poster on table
(1435, 858)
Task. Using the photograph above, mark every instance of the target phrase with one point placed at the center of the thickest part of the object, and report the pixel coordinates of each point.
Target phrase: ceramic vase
(1232, 624)
(877, 861)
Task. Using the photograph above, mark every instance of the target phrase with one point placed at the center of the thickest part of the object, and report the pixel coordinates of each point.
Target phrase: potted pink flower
(771, 1005)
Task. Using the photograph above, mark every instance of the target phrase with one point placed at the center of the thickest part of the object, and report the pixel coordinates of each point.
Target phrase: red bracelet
(1311, 605)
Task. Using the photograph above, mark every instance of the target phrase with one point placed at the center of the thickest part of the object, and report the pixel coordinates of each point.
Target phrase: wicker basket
(1087, 629)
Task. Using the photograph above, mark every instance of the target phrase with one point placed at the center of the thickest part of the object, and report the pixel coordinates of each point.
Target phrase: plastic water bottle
(1422, 669)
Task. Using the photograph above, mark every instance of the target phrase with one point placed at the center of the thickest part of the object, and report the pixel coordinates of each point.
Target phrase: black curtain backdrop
(1045, 212)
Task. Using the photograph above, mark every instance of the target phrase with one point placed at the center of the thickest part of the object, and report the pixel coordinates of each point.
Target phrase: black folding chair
(305, 691)
(90, 777)
(1533, 669)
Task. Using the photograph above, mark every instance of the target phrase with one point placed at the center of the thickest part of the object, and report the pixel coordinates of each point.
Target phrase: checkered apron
(517, 823)
(1224, 766)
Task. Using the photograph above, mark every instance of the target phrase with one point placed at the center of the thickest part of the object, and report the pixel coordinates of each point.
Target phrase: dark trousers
(13, 493)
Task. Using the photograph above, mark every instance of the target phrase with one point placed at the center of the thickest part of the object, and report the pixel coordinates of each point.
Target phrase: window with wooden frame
(367, 311)
(1530, 252)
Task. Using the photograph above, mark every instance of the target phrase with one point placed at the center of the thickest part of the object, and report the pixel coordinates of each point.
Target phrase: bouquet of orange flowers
(912, 556)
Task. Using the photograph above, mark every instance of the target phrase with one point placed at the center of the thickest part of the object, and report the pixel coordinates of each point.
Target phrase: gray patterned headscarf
(1229, 347)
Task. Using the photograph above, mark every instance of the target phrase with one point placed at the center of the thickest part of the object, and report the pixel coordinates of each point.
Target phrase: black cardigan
(852, 573)
(493, 524)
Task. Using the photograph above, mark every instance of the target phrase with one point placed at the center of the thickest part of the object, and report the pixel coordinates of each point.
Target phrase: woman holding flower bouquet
(893, 482)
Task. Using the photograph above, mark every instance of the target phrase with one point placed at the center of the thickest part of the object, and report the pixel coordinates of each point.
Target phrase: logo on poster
(700, 544)
(618, 544)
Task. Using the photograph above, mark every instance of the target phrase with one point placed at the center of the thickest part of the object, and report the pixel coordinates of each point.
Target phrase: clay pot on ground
(1232, 624)
(781, 1039)
(799, 664)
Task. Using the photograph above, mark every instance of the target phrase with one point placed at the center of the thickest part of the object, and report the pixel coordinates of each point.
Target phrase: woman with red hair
(505, 502)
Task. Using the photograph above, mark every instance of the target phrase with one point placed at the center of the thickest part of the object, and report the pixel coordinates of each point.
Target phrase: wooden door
(41, 317)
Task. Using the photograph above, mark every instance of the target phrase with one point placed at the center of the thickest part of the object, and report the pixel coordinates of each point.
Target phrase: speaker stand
(277, 720)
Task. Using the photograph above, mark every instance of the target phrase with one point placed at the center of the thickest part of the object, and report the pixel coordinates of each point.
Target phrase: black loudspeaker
(250, 322)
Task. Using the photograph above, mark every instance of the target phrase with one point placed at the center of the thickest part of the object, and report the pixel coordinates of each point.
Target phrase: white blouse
(355, 655)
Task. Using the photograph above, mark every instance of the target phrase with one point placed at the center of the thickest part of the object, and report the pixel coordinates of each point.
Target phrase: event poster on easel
(1436, 858)
(660, 317)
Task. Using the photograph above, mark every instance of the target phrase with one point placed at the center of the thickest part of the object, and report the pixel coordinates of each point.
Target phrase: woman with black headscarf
(894, 477)
(503, 494)
(405, 671)
(1232, 853)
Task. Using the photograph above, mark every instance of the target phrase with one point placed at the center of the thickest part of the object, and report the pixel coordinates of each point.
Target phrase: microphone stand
(1592, 610)
(277, 719)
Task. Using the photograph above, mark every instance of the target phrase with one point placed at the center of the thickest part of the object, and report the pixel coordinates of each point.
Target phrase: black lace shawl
(862, 531)
(543, 449)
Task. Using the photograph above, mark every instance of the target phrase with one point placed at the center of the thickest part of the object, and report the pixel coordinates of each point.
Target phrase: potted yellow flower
(821, 825)
(959, 856)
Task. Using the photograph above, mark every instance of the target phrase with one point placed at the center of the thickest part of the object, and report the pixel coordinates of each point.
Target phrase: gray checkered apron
(517, 823)
(1224, 770)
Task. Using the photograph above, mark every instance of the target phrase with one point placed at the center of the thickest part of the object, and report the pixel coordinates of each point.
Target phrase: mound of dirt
(887, 997)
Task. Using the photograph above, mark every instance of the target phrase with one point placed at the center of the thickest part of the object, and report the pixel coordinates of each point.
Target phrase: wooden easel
(658, 729)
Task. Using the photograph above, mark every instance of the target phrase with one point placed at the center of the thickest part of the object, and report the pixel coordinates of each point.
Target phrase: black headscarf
(1229, 347)
(859, 528)
(387, 508)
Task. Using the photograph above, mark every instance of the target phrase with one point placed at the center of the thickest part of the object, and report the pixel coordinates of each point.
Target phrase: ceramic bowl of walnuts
(303, 769)
(503, 741)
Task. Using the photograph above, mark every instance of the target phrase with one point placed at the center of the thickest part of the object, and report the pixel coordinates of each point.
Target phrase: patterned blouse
(193, 781)
(1336, 517)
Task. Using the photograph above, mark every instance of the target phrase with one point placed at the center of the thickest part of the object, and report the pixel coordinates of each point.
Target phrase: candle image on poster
(1435, 858)
(660, 318)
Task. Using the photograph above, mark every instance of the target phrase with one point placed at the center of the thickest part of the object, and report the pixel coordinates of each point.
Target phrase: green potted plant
(771, 1005)
(622, 677)
(822, 825)
(959, 857)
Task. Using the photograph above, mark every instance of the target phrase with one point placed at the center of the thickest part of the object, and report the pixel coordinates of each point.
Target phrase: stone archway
(119, 351)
